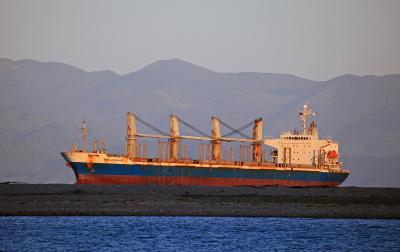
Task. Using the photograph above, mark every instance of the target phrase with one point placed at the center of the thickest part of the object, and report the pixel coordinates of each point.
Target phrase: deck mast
(84, 135)
(303, 116)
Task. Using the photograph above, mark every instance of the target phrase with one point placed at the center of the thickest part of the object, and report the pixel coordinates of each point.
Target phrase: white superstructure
(305, 148)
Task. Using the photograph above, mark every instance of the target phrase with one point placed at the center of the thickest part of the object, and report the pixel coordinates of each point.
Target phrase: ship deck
(123, 159)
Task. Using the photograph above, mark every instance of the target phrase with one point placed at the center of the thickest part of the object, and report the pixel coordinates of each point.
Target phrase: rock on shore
(153, 200)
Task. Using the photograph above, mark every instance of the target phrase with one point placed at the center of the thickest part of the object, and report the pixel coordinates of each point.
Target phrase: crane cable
(238, 130)
(192, 127)
(150, 126)
(233, 130)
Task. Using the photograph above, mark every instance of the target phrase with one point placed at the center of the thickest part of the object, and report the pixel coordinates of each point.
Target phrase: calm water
(196, 233)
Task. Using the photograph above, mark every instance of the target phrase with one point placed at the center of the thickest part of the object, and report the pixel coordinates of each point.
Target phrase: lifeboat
(332, 154)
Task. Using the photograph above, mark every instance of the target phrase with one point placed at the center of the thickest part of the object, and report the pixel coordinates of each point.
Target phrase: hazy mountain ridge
(40, 101)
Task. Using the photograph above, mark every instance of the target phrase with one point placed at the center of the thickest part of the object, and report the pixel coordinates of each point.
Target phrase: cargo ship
(297, 158)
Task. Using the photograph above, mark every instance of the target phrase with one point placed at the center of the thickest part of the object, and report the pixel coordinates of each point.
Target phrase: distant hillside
(43, 104)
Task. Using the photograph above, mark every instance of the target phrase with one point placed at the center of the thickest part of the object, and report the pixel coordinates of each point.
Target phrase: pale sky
(312, 39)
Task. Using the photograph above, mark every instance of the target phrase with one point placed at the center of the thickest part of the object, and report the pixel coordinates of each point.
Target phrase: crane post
(174, 133)
(131, 136)
(257, 136)
(216, 142)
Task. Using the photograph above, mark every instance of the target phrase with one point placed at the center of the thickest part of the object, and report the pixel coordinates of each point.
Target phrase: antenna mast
(303, 116)
(84, 135)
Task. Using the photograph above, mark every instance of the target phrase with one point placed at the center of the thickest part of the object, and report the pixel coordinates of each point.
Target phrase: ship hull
(182, 175)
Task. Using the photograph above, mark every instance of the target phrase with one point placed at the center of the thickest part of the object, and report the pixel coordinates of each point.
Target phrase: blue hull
(184, 175)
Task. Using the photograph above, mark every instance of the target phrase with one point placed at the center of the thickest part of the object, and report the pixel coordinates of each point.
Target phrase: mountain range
(42, 105)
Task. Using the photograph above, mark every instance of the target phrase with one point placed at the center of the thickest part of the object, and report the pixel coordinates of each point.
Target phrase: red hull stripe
(144, 180)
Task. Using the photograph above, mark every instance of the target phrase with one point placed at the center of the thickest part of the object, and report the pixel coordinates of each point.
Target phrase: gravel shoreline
(151, 200)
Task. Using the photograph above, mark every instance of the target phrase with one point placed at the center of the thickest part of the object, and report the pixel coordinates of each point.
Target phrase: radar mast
(84, 131)
(303, 116)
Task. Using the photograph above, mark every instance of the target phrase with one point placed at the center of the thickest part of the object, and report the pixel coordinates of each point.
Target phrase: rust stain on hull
(220, 182)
